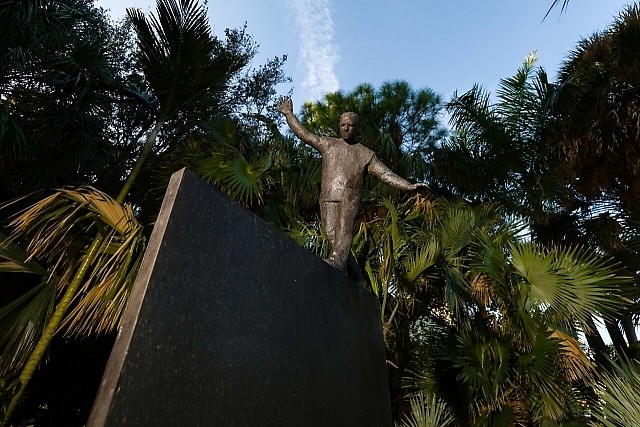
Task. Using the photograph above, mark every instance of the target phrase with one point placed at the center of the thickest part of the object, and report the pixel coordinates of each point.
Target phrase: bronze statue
(344, 163)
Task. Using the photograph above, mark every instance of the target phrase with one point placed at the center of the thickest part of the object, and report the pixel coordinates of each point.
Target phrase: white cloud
(318, 52)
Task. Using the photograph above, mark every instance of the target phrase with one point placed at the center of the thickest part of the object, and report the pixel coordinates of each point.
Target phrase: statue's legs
(338, 219)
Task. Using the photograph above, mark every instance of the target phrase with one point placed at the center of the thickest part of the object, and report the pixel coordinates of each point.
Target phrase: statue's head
(349, 126)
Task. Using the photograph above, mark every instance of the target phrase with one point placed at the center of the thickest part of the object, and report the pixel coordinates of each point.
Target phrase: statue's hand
(285, 105)
(420, 186)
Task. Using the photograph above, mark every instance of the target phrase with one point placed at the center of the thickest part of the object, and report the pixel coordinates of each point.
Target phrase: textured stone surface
(231, 323)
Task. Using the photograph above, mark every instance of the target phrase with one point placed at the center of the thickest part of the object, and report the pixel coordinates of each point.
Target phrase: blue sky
(446, 45)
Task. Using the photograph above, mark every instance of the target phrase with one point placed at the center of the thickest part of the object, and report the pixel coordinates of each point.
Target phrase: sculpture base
(231, 323)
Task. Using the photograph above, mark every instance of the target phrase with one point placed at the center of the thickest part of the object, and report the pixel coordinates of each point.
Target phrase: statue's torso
(343, 168)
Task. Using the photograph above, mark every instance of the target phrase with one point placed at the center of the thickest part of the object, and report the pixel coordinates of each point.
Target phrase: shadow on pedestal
(231, 323)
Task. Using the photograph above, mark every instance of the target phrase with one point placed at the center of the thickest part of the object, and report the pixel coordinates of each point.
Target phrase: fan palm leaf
(428, 411)
(572, 283)
(236, 176)
(23, 321)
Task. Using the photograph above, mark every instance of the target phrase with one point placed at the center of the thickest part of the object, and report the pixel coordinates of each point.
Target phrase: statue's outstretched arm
(285, 106)
(386, 175)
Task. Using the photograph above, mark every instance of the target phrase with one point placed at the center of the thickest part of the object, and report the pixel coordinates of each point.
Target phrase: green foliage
(596, 110)
(481, 314)
(479, 318)
(236, 165)
(496, 152)
(55, 75)
(619, 393)
(571, 284)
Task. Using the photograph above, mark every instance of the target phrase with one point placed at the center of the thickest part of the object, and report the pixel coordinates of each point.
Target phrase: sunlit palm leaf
(102, 299)
(518, 103)
(236, 176)
(428, 411)
(117, 216)
(596, 281)
(575, 363)
(573, 283)
(56, 229)
(425, 256)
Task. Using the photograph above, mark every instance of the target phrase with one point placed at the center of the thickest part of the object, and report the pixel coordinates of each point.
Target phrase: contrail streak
(318, 53)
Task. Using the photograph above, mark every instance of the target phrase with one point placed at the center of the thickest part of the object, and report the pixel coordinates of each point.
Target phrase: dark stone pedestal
(231, 323)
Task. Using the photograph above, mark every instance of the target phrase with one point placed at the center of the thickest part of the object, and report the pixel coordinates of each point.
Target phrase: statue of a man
(344, 163)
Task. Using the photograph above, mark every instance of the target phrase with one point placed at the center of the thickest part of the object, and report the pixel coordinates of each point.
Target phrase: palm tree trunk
(616, 336)
(597, 344)
(629, 329)
(146, 150)
(51, 328)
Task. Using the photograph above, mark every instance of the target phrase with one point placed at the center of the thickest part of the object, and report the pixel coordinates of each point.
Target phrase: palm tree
(487, 323)
(501, 152)
(594, 135)
(496, 151)
(595, 106)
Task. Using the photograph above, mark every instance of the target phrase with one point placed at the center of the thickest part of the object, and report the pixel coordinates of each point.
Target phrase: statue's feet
(351, 269)
(333, 263)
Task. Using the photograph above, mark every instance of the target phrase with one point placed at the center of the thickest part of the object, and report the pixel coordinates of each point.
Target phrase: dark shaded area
(63, 391)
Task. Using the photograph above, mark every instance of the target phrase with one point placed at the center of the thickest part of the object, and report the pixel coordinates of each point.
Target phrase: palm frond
(22, 322)
(555, 3)
(235, 175)
(572, 282)
(456, 228)
(473, 114)
(576, 365)
(427, 410)
(619, 393)
(426, 256)
(518, 101)
(543, 374)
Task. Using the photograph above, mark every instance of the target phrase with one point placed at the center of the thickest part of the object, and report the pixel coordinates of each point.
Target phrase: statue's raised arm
(285, 106)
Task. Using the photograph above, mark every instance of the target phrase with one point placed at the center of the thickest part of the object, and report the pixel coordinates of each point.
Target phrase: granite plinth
(232, 323)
